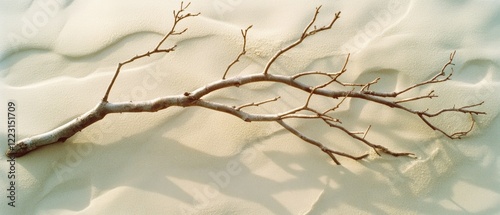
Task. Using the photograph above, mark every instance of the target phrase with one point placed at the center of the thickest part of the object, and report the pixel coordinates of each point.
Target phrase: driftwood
(195, 98)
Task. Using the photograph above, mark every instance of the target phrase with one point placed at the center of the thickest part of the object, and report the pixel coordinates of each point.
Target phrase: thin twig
(376, 148)
(306, 33)
(195, 99)
(334, 76)
(323, 148)
(178, 16)
(338, 104)
(429, 96)
(257, 103)
(366, 132)
(434, 79)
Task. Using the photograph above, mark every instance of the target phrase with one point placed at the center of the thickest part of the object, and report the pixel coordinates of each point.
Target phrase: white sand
(197, 161)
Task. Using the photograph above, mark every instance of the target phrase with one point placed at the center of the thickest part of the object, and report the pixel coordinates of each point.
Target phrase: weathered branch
(304, 112)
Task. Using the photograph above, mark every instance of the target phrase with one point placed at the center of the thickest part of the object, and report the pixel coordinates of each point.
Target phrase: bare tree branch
(307, 111)
(243, 51)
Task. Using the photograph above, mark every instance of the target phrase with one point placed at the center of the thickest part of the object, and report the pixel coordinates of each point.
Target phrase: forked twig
(243, 51)
(434, 79)
(307, 111)
(178, 16)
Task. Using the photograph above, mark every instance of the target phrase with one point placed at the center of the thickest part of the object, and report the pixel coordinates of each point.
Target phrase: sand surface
(58, 56)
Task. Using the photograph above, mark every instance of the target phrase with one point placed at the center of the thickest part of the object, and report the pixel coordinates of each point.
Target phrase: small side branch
(458, 134)
(243, 51)
(328, 151)
(178, 16)
(257, 103)
(333, 76)
(306, 33)
(375, 147)
(338, 104)
(430, 95)
(436, 78)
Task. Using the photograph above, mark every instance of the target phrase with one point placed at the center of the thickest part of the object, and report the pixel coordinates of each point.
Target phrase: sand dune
(57, 58)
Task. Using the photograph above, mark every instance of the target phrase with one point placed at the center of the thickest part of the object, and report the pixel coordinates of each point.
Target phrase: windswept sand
(195, 161)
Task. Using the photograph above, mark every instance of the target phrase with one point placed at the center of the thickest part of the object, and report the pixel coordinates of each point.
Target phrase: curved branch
(306, 111)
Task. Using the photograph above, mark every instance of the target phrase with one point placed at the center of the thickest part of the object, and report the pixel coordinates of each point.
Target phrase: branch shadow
(154, 163)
